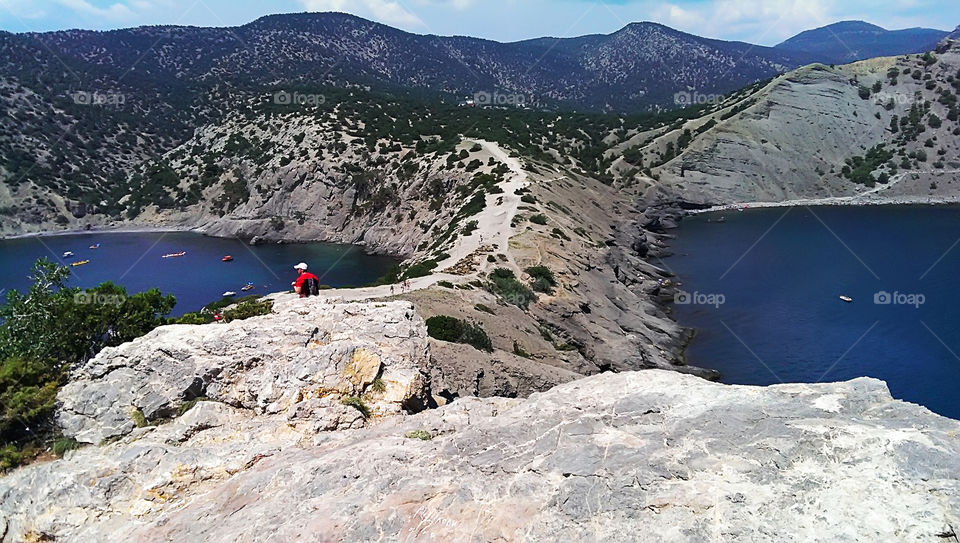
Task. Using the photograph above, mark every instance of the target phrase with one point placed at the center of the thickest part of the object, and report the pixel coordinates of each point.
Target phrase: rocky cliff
(653, 456)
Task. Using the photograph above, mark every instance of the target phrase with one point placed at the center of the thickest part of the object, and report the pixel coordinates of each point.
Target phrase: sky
(764, 22)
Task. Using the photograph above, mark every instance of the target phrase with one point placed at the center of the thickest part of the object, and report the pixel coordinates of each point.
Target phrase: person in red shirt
(307, 284)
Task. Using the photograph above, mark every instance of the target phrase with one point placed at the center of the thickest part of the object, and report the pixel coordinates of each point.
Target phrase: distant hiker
(216, 317)
(391, 290)
(307, 284)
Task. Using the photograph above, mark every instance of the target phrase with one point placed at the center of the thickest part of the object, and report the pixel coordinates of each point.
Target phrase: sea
(763, 287)
(135, 261)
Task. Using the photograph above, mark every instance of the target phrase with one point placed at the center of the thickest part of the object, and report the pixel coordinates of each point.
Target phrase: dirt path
(493, 227)
(493, 223)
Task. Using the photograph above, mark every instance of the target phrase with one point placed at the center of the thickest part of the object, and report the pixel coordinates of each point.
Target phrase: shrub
(445, 284)
(357, 403)
(484, 309)
(543, 279)
(453, 330)
(505, 284)
(420, 269)
(558, 233)
(491, 258)
(528, 199)
(422, 435)
(247, 309)
(61, 446)
(539, 218)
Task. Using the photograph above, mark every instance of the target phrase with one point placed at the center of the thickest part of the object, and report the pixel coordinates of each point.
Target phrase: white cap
(300, 266)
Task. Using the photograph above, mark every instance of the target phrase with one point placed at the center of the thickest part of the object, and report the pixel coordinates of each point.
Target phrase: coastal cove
(762, 290)
(135, 261)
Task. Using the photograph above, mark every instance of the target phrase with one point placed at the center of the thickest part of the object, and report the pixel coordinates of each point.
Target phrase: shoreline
(839, 201)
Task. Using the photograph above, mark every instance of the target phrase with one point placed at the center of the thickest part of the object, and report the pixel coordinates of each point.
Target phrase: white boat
(846, 299)
(68, 254)
(229, 294)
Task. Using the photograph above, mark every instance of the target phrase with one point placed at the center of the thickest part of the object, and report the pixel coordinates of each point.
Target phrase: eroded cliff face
(653, 455)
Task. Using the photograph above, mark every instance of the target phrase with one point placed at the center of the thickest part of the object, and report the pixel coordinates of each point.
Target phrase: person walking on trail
(307, 284)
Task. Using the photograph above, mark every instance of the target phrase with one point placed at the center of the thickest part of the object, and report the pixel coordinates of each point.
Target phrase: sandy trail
(493, 227)
(493, 223)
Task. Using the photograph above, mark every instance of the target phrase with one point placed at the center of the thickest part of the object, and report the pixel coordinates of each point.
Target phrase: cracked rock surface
(644, 456)
(305, 357)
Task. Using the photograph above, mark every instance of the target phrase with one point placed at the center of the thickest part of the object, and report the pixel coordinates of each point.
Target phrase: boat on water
(846, 299)
(68, 254)
(174, 255)
(248, 286)
(227, 258)
(229, 294)
(80, 263)
(95, 246)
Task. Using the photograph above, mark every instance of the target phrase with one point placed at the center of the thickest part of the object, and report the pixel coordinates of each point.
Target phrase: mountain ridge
(849, 41)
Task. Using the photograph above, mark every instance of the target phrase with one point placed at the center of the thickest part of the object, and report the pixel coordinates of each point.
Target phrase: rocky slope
(608, 457)
(809, 134)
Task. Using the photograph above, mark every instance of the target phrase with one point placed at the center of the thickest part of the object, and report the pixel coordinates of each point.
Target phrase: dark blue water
(780, 273)
(134, 261)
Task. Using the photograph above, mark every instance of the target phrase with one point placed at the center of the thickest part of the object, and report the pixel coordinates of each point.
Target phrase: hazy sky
(766, 22)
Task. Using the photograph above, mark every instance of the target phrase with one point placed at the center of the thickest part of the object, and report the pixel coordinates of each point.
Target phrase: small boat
(846, 299)
(227, 258)
(80, 263)
(68, 254)
(174, 255)
(248, 286)
(229, 294)
(95, 246)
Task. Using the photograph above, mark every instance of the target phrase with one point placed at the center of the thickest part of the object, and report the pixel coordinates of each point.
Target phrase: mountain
(849, 41)
(86, 108)
(884, 129)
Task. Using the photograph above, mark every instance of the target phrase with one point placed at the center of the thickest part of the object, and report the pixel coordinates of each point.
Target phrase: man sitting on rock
(307, 284)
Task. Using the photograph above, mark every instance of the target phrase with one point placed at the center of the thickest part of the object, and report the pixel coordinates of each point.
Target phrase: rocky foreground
(274, 454)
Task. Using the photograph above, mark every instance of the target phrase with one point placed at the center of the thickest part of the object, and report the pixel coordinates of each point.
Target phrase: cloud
(390, 12)
(764, 22)
(118, 11)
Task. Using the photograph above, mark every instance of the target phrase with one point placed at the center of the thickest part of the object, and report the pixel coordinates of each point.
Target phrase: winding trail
(493, 227)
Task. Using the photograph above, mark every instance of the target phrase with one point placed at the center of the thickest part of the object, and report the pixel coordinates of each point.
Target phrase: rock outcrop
(301, 361)
(653, 456)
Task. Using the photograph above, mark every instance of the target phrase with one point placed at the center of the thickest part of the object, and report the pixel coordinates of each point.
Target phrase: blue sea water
(134, 260)
(779, 274)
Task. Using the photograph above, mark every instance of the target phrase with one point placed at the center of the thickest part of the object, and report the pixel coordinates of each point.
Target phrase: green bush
(505, 284)
(247, 309)
(539, 218)
(484, 309)
(357, 403)
(46, 330)
(422, 435)
(543, 279)
(61, 446)
(528, 199)
(454, 330)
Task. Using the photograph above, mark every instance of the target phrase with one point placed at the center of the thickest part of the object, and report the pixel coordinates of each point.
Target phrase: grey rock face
(307, 352)
(646, 456)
